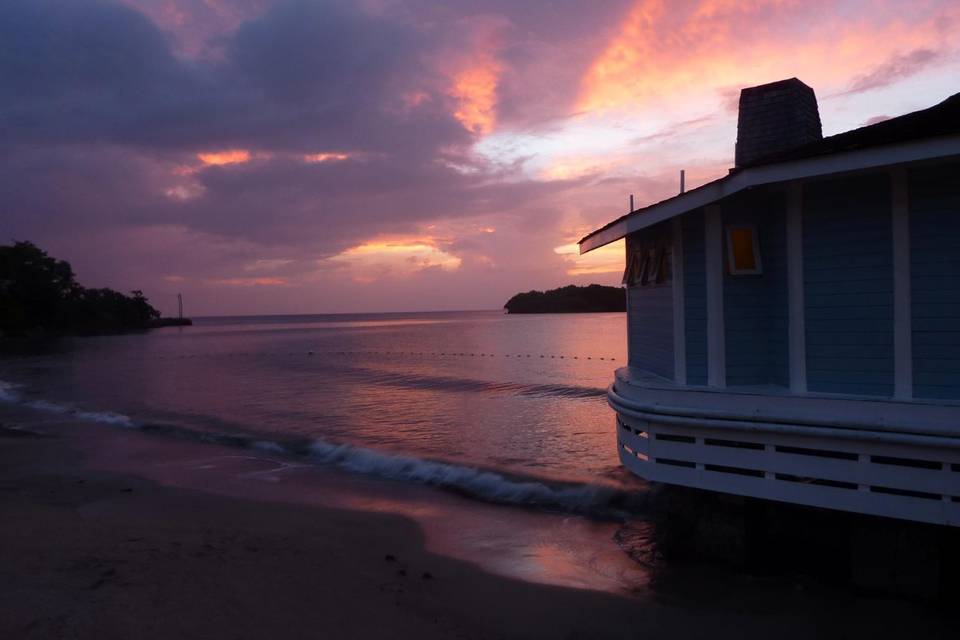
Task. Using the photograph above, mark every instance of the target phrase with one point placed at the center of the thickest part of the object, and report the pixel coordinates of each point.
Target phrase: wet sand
(93, 554)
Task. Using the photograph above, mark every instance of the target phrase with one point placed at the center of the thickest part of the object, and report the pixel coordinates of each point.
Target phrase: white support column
(902, 306)
(797, 330)
(679, 310)
(716, 336)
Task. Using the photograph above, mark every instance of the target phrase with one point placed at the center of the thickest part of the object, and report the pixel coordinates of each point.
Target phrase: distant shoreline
(170, 322)
(593, 298)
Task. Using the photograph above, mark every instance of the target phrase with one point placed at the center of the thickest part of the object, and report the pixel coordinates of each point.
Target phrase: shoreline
(93, 554)
(88, 553)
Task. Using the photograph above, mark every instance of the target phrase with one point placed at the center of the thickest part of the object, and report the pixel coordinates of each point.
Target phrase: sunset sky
(303, 156)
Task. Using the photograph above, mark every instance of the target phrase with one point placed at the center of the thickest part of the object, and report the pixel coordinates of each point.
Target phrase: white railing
(889, 472)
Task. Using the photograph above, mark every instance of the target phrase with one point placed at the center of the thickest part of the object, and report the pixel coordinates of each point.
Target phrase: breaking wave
(490, 486)
(9, 394)
(595, 501)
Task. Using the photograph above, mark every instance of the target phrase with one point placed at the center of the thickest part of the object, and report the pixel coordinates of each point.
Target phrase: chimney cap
(775, 117)
(776, 84)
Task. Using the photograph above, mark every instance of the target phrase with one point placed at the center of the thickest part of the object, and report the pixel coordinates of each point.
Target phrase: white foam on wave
(106, 417)
(8, 394)
(485, 485)
(268, 446)
(477, 483)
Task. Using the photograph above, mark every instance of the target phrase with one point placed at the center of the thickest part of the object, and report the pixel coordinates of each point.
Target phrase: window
(743, 251)
(647, 267)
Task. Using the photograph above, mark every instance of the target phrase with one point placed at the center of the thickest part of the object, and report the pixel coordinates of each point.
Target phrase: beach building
(794, 326)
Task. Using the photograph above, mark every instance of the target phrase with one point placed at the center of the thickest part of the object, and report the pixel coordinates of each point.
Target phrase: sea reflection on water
(521, 394)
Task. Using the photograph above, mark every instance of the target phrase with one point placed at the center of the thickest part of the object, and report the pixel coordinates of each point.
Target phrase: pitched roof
(942, 119)
(939, 120)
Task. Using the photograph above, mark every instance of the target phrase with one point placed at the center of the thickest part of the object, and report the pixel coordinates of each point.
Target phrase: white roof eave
(768, 174)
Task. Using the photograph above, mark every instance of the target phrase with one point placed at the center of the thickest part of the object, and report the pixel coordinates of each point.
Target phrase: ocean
(466, 421)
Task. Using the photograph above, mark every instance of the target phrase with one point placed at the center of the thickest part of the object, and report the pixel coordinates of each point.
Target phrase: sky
(327, 156)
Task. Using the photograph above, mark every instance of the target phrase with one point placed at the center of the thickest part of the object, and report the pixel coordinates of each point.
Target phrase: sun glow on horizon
(606, 259)
(386, 257)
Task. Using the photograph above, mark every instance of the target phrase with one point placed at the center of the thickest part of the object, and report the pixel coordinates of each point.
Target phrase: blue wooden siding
(934, 196)
(755, 306)
(695, 297)
(848, 285)
(650, 311)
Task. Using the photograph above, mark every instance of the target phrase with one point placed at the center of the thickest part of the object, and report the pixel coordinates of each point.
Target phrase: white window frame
(664, 265)
(648, 267)
(731, 264)
(628, 273)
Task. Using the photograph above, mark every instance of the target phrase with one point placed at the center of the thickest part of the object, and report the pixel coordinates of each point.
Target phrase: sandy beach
(86, 553)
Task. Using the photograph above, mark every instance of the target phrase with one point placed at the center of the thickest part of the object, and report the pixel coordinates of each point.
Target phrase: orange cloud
(230, 156)
(251, 282)
(606, 259)
(475, 89)
(324, 157)
(665, 54)
(386, 257)
(570, 168)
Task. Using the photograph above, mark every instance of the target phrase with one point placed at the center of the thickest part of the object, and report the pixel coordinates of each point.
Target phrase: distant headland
(39, 296)
(569, 299)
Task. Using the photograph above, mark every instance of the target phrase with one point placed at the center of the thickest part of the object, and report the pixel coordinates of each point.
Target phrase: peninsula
(570, 299)
(39, 296)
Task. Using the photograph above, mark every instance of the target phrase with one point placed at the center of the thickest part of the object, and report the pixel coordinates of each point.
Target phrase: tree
(39, 294)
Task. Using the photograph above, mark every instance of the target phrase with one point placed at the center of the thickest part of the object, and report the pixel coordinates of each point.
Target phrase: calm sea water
(505, 415)
(503, 408)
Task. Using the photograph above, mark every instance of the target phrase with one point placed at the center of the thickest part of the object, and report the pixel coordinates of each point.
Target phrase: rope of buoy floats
(311, 352)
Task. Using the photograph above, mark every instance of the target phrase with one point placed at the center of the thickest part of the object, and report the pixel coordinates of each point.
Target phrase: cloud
(664, 55)
(218, 147)
(250, 282)
(230, 156)
(895, 68)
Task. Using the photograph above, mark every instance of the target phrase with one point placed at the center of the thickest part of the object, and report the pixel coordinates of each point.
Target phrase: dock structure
(794, 327)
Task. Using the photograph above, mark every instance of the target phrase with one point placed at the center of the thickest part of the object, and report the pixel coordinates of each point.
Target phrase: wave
(490, 486)
(9, 394)
(595, 501)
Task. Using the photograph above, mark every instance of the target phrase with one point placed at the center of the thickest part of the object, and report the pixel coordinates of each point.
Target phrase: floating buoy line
(436, 354)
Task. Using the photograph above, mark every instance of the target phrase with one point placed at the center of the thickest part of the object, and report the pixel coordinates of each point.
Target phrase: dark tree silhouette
(570, 299)
(39, 295)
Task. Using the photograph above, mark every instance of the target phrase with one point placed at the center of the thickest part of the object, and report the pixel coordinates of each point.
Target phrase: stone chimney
(774, 118)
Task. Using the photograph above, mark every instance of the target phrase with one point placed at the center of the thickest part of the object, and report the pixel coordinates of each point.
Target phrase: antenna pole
(180, 306)
(631, 203)
(683, 180)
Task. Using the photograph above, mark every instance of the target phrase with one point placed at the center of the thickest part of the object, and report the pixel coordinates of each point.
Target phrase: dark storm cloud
(102, 117)
(332, 204)
(96, 111)
(304, 75)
